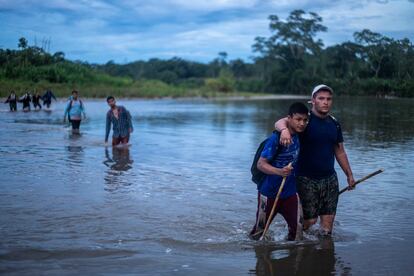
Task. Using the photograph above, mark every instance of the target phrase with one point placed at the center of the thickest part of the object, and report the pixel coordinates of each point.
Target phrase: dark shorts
(120, 140)
(318, 196)
(75, 124)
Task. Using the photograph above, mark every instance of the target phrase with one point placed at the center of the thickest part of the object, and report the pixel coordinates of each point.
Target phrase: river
(179, 200)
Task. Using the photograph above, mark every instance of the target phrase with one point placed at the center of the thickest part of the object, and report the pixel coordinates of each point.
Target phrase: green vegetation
(291, 60)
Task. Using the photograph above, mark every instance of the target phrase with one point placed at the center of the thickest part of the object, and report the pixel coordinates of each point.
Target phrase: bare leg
(308, 223)
(327, 223)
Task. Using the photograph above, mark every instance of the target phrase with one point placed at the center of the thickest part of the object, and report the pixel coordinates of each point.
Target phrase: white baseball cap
(321, 87)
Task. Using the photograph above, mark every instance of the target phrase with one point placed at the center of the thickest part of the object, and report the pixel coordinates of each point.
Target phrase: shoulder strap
(279, 147)
(329, 115)
(335, 121)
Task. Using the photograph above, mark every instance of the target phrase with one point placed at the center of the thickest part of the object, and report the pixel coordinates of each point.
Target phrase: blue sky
(97, 31)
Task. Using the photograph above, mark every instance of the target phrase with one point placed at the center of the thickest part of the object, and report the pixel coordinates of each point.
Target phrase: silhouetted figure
(36, 101)
(12, 101)
(47, 98)
(25, 100)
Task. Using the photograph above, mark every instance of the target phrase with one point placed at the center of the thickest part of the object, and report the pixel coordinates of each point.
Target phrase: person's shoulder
(296, 138)
(332, 117)
(275, 135)
(274, 138)
(334, 120)
(123, 108)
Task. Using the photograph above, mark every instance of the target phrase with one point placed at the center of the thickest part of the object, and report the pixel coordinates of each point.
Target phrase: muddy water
(179, 200)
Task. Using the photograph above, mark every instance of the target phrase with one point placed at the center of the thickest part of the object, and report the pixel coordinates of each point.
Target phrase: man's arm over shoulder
(281, 126)
(269, 151)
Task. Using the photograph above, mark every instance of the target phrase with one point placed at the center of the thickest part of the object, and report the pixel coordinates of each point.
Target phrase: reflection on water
(310, 259)
(180, 200)
(75, 155)
(120, 160)
(119, 163)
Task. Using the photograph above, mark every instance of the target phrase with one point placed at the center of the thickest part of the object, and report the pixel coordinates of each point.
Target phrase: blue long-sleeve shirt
(121, 125)
(75, 108)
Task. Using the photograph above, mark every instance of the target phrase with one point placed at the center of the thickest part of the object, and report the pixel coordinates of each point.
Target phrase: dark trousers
(75, 124)
(289, 208)
(13, 106)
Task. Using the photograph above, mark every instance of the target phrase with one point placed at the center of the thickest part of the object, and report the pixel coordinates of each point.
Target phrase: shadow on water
(119, 163)
(306, 259)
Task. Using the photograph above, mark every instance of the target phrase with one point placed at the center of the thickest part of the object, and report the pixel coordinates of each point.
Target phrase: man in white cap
(320, 144)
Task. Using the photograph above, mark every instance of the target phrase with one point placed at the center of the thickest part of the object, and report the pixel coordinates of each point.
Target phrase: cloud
(101, 30)
(371, 15)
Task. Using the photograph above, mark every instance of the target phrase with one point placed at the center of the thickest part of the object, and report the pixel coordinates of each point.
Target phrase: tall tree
(375, 48)
(22, 43)
(291, 41)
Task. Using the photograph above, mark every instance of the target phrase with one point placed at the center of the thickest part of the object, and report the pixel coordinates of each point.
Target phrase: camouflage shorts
(318, 196)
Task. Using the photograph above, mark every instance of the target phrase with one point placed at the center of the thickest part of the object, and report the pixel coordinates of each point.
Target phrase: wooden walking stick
(362, 179)
(274, 205)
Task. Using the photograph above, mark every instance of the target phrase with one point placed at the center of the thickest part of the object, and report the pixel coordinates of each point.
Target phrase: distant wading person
(320, 144)
(36, 101)
(74, 110)
(120, 118)
(47, 98)
(274, 162)
(12, 100)
(25, 100)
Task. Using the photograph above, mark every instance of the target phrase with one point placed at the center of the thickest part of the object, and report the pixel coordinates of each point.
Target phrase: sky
(97, 31)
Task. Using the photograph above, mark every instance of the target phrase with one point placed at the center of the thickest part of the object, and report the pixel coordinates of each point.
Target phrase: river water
(179, 200)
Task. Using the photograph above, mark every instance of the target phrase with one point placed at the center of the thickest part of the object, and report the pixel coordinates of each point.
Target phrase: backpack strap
(279, 148)
(338, 126)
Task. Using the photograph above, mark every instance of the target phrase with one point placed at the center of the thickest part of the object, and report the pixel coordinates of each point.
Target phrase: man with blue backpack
(273, 169)
(74, 110)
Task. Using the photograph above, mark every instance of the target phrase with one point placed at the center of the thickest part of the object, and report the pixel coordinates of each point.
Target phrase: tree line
(290, 60)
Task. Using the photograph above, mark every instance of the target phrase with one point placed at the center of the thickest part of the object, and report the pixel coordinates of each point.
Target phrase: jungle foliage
(292, 59)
